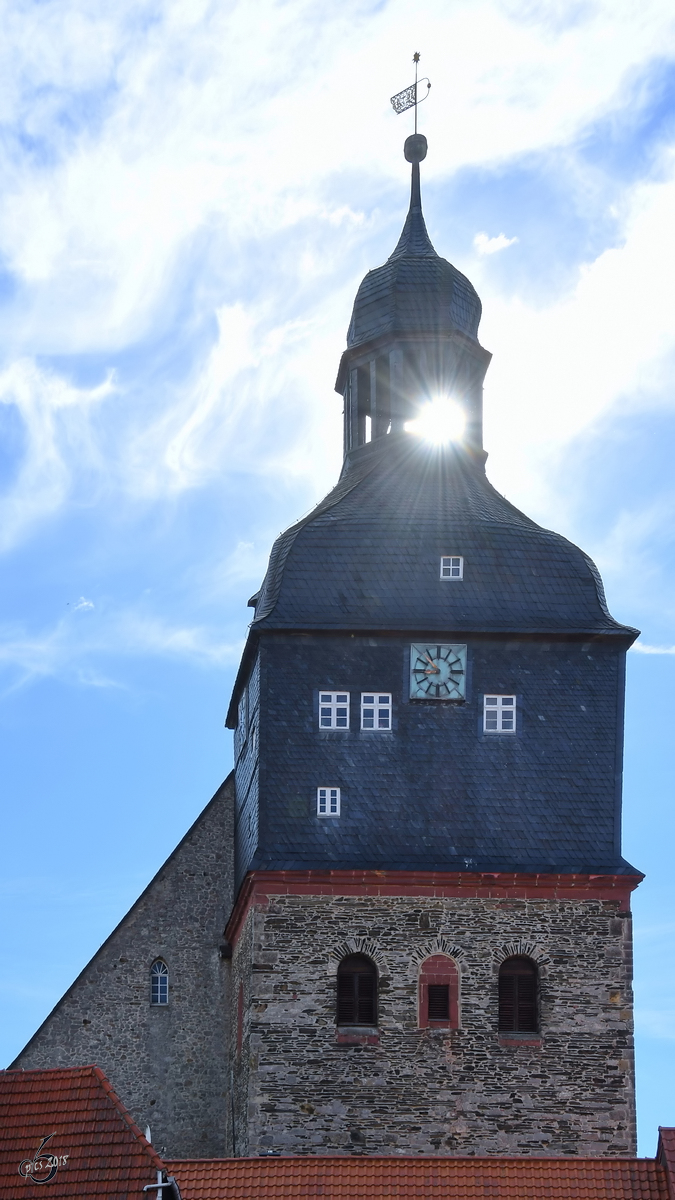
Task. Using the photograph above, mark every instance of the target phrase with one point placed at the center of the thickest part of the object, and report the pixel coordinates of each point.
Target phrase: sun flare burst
(440, 421)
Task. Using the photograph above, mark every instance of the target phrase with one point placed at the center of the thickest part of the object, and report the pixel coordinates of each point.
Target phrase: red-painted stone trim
(438, 968)
(258, 886)
(343, 1038)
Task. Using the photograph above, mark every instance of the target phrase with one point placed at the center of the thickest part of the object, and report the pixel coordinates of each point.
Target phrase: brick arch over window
(357, 991)
(357, 945)
(438, 992)
(518, 995)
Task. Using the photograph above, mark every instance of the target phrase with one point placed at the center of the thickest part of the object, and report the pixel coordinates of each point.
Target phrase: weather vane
(408, 98)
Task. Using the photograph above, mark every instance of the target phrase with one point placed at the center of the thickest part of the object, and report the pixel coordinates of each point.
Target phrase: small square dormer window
(333, 710)
(452, 566)
(499, 714)
(376, 710)
(327, 802)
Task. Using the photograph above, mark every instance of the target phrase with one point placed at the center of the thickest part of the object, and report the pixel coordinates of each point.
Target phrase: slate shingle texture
(415, 291)
(436, 793)
(368, 556)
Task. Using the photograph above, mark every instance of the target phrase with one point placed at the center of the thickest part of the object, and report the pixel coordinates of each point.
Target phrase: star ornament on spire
(409, 97)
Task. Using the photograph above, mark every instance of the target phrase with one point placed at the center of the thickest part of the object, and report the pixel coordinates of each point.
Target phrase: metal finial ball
(415, 148)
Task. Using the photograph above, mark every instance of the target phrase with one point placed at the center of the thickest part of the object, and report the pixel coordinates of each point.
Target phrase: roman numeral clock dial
(437, 672)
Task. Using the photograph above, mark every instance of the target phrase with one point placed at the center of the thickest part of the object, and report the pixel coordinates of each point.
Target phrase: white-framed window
(327, 802)
(159, 982)
(376, 710)
(452, 566)
(499, 714)
(333, 710)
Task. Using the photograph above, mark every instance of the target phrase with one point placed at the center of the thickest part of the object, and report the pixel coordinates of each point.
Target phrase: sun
(440, 421)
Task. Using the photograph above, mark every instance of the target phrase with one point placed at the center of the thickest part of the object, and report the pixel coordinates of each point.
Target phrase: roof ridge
(188, 833)
(571, 1159)
(126, 1116)
(42, 1071)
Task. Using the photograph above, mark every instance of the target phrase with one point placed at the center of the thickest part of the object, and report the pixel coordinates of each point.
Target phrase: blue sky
(191, 195)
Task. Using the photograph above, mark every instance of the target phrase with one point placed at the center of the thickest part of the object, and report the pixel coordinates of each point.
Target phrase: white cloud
(221, 419)
(491, 245)
(55, 419)
(83, 604)
(644, 648)
(175, 121)
(170, 119)
(556, 370)
(71, 651)
(200, 145)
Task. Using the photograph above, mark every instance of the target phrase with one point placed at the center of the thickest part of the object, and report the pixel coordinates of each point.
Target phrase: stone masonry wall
(466, 1091)
(168, 1064)
(246, 1006)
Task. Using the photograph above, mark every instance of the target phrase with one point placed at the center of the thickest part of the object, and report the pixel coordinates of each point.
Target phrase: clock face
(437, 672)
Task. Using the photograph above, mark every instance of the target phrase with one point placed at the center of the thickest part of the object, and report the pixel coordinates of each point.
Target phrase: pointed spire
(414, 239)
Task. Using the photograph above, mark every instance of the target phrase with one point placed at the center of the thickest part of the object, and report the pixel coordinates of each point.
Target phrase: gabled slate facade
(356, 584)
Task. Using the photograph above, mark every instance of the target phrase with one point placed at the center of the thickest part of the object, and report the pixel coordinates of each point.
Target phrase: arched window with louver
(357, 991)
(518, 999)
(438, 1005)
(159, 982)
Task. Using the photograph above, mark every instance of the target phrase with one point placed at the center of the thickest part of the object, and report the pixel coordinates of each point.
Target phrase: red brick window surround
(438, 993)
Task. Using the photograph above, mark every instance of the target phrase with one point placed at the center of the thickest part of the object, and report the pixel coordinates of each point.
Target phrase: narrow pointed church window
(333, 710)
(357, 991)
(159, 983)
(499, 714)
(518, 1006)
(452, 566)
(376, 710)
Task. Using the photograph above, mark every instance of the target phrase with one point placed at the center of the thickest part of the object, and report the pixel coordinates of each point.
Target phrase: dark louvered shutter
(357, 991)
(346, 999)
(439, 1002)
(366, 997)
(518, 996)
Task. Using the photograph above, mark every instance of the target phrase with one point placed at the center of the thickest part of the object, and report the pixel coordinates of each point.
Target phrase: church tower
(431, 944)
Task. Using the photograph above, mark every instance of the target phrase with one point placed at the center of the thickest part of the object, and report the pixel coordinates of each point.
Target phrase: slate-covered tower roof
(354, 590)
(415, 291)
(368, 555)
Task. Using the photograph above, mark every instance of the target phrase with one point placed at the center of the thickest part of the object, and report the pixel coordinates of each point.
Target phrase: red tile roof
(420, 1178)
(98, 1150)
(666, 1154)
